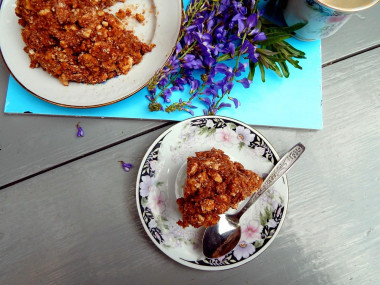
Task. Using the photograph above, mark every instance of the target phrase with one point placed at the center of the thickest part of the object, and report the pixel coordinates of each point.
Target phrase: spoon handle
(285, 163)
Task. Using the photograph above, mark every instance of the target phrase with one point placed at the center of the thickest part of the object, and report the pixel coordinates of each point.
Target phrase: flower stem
(234, 72)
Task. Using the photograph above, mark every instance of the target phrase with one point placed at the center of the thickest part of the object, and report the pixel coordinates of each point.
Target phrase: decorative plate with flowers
(162, 175)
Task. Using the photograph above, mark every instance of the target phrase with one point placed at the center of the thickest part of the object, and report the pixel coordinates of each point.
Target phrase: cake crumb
(128, 12)
(140, 18)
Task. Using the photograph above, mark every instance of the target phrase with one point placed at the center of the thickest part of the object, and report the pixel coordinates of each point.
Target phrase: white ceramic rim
(192, 265)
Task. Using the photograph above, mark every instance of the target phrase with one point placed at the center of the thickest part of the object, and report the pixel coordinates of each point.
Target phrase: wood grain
(359, 33)
(78, 224)
(45, 142)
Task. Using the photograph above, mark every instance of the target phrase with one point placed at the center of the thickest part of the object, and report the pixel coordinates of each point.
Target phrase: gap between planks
(350, 55)
(154, 129)
(85, 155)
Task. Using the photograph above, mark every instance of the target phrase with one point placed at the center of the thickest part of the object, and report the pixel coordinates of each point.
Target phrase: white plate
(160, 180)
(161, 27)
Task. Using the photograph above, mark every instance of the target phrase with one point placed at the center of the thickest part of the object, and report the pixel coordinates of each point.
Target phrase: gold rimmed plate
(161, 27)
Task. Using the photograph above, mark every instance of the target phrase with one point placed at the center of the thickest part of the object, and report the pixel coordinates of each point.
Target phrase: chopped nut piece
(121, 14)
(140, 18)
(128, 12)
(44, 12)
(86, 33)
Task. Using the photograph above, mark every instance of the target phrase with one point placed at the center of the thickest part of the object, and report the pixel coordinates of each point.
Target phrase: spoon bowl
(223, 237)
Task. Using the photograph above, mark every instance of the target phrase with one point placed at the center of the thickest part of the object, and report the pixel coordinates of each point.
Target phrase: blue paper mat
(294, 102)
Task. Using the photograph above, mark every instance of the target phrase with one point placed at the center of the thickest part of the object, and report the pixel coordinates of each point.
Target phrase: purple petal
(149, 97)
(251, 21)
(194, 85)
(126, 166)
(237, 17)
(206, 100)
(221, 105)
(210, 25)
(241, 26)
(209, 61)
(80, 132)
(188, 39)
(166, 95)
(230, 49)
(259, 37)
(211, 91)
(188, 58)
(245, 82)
(189, 111)
(236, 102)
(178, 48)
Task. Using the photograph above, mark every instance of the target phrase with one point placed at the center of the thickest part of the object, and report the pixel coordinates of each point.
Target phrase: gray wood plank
(78, 224)
(45, 141)
(39, 147)
(359, 33)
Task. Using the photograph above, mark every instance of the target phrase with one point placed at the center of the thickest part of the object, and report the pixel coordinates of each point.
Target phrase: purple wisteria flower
(126, 166)
(215, 37)
(80, 132)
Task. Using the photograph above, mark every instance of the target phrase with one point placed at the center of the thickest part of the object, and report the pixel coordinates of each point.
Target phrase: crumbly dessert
(75, 40)
(214, 184)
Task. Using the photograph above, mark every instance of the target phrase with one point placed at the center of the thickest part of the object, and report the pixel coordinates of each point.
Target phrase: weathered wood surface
(78, 224)
(30, 144)
(44, 142)
(359, 33)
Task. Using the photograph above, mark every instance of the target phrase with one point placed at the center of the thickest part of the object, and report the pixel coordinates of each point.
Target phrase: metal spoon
(221, 238)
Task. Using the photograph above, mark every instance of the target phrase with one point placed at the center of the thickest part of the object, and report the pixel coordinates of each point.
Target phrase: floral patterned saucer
(161, 177)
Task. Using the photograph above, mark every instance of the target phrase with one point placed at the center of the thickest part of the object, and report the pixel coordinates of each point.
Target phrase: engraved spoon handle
(285, 163)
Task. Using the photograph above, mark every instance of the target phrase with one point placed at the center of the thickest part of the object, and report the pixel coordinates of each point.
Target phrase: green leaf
(263, 219)
(252, 68)
(231, 125)
(263, 62)
(287, 30)
(227, 56)
(203, 130)
(275, 39)
(277, 70)
(295, 52)
(268, 213)
(266, 51)
(224, 57)
(258, 243)
(259, 24)
(284, 69)
(262, 70)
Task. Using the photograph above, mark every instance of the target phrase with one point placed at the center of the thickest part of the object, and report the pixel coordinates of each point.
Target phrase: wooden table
(68, 213)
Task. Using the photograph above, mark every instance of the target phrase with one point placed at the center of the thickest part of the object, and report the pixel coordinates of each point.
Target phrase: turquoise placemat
(294, 102)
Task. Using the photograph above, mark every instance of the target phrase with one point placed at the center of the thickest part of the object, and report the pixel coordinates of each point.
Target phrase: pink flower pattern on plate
(156, 202)
(226, 136)
(252, 232)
